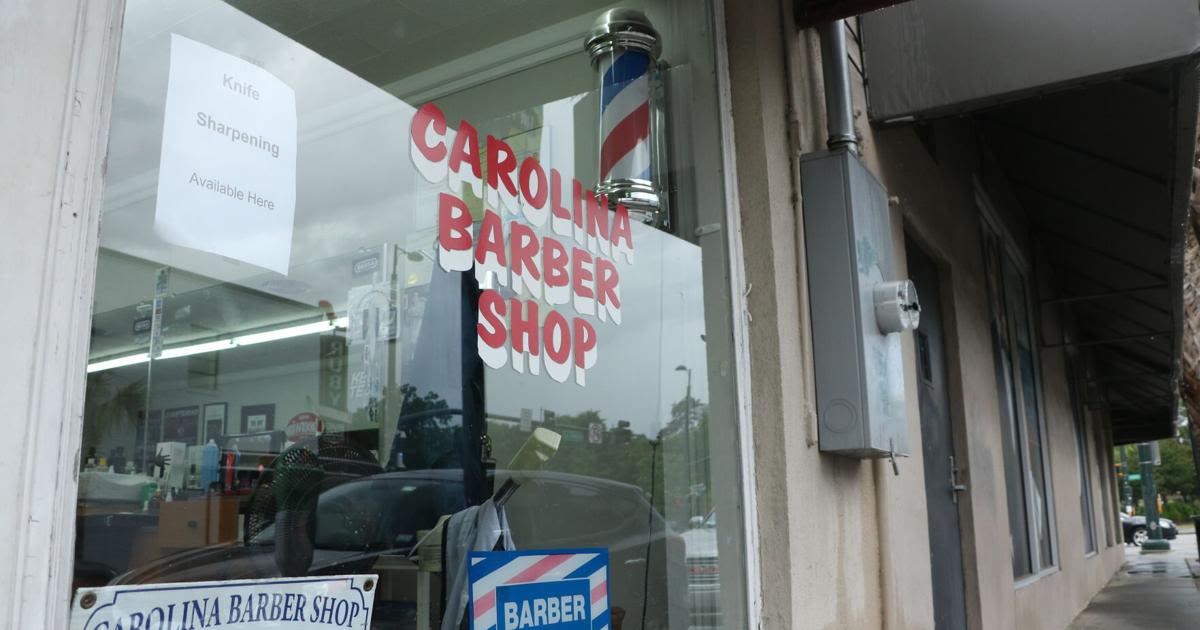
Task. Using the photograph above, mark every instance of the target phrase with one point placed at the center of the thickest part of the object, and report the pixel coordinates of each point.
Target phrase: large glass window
(1018, 384)
(1077, 378)
(354, 279)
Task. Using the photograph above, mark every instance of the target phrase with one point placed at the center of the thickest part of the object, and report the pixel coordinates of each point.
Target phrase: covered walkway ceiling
(1104, 175)
(1090, 108)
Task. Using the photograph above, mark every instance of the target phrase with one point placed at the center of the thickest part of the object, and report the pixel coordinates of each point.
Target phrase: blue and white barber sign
(306, 603)
(554, 589)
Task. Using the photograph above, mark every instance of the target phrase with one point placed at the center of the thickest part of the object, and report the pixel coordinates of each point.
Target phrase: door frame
(70, 48)
(957, 409)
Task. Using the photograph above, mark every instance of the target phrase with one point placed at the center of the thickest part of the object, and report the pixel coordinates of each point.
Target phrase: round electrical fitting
(896, 306)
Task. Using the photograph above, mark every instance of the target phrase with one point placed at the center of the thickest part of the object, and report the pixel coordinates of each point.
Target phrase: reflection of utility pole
(687, 439)
(1147, 454)
(1126, 487)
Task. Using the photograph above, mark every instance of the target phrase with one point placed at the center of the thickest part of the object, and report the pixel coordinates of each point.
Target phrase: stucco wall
(839, 537)
(844, 542)
(939, 209)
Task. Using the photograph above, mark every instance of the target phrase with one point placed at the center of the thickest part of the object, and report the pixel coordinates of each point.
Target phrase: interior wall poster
(181, 424)
(215, 415)
(256, 418)
(563, 589)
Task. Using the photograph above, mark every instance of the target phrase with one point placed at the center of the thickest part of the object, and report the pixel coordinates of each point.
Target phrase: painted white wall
(55, 87)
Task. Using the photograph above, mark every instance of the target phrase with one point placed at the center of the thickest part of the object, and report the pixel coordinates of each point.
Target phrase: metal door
(942, 485)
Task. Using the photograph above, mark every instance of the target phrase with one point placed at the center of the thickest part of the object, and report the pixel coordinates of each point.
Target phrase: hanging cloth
(477, 528)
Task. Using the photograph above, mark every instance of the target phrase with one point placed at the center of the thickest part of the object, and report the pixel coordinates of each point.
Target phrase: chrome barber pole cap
(624, 48)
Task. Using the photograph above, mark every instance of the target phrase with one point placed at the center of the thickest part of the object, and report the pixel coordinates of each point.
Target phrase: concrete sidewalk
(1151, 592)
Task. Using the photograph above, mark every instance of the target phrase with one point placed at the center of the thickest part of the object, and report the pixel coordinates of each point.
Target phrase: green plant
(1180, 511)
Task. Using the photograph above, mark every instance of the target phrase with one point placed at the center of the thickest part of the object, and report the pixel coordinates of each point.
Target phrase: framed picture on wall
(256, 418)
(181, 424)
(214, 420)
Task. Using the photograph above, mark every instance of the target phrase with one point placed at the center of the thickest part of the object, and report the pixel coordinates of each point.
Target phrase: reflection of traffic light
(622, 434)
(549, 418)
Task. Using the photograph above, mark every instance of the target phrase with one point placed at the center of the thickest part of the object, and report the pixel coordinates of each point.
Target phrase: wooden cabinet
(198, 522)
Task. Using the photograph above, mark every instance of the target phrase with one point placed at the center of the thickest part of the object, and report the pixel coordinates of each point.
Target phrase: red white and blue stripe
(625, 116)
(489, 570)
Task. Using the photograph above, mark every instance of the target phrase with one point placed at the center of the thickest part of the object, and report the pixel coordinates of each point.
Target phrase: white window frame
(741, 325)
(68, 52)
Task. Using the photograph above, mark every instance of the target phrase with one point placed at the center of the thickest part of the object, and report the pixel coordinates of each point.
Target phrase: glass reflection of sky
(357, 189)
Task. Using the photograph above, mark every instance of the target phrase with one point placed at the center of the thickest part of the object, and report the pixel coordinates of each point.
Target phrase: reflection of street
(1154, 591)
(704, 577)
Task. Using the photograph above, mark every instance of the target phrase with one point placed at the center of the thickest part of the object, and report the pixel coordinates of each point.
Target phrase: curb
(1193, 565)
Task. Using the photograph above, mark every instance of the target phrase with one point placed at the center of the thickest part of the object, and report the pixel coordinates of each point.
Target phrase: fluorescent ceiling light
(224, 344)
(132, 359)
(183, 351)
(283, 333)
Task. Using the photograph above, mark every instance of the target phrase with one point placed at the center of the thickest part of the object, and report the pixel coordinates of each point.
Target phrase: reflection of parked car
(1135, 528)
(704, 575)
(358, 521)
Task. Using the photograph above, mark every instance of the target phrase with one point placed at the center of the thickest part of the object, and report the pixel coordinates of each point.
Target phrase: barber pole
(624, 48)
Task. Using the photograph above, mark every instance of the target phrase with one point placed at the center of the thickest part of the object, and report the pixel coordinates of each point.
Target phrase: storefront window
(354, 279)
(1027, 483)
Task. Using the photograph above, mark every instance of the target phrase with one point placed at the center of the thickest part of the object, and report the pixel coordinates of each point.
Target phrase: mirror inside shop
(429, 296)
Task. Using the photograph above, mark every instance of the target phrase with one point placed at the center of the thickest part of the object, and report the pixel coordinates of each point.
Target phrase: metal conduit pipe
(839, 104)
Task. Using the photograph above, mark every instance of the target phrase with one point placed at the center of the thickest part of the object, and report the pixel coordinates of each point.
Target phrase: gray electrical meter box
(859, 308)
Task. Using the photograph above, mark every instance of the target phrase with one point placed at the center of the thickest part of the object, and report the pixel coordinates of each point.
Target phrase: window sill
(1032, 578)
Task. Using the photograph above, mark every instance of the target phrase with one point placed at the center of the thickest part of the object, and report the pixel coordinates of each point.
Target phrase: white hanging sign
(227, 174)
(306, 603)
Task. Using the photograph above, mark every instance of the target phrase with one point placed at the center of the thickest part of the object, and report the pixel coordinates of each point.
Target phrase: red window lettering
(465, 149)
(531, 167)
(491, 240)
(621, 231)
(556, 336)
(491, 314)
(523, 247)
(580, 274)
(597, 216)
(454, 223)
(554, 263)
(429, 114)
(524, 327)
(607, 280)
(500, 170)
(556, 207)
(584, 339)
(577, 202)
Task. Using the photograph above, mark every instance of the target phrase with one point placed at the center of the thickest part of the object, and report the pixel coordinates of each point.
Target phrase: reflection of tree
(108, 408)
(621, 456)
(427, 440)
(1177, 475)
(689, 427)
(680, 412)
(625, 456)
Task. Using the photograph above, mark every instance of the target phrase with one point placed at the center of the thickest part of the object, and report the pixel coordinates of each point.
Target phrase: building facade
(764, 314)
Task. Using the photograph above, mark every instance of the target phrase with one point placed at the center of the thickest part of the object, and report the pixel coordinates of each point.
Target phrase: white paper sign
(227, 176)
(308, 603)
